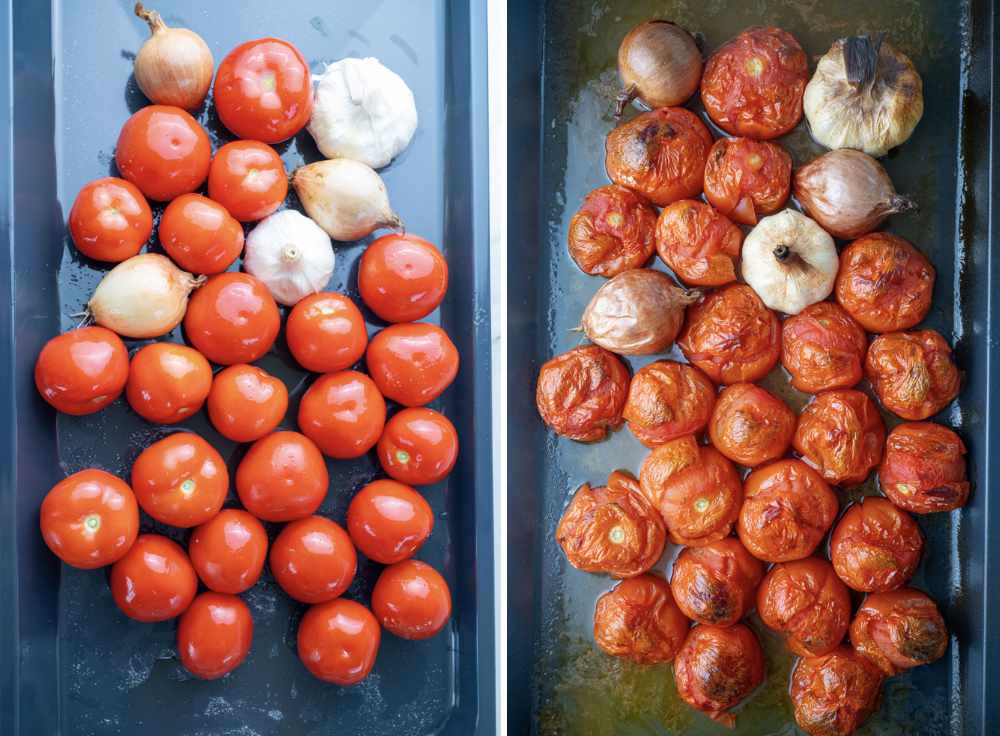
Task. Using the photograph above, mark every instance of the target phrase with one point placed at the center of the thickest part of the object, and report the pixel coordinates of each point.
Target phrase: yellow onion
(174, 65)
(346, 198)
(658, 62)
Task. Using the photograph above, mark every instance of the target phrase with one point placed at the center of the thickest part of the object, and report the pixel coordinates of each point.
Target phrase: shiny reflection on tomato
(581, 394)
(715, 584)
(639, 621)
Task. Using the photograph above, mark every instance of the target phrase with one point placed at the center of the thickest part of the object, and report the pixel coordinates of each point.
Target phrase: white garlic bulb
(291, 254)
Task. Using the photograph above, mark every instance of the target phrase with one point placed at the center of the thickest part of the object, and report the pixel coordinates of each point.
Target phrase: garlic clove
(291, 255)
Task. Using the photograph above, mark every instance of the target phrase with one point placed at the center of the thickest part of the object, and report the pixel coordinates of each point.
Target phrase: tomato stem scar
(617, 535)
(187, 487)
(92, 522)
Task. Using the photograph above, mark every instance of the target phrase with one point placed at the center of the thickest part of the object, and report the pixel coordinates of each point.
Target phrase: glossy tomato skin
(923, 469)
(787, 511)
(263, 90)
(638, 620)
(246, 403)
(715, 584)
(248, 179)
(154, 581)
(659, 154)
(110, 220)
(613, 231)
(412, 363)
(82, 371)
(411, 600)
(667, 400)
(875, 547)
(282, 477)
(913, 373)
(388, 521)
(326, 332)
(611, 529)
(228, 551)
(899, 630)
(163, 151)
(214, 635)
(750, 425)
(841, 434)
(343, 413)
(823, 347)
(581, 394)
(89, 519)
(167, 382)
(699, 243)
(313, 559)
(747, 179)
(232, 319)
(199, 235)
(835, 693)
(402, 278)
(418, 447)
(753, 84)
(732, 336)
(695, 488)
(338, 641)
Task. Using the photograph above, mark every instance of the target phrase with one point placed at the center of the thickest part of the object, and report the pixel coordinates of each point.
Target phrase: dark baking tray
(559, 683)
(70, 663)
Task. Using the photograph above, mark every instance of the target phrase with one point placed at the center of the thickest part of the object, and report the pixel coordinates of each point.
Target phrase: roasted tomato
(232, 319)
(822, 347)
(581, 393)
(412, 363)
(338, 641)
(613, 231)
(402, 278)
(732, 336)
(841, 434)
(611, 529)
(805, 600)
(695, 489)
(313, 559)
(282, 477)
(246, 403)
(199, 235)
(154, 581)
(110, 220)
(659, 154)
(753, 84)
(715, 584)
(718, 667)
(389, 521)
(667, 400)
(248, 179)
(326, 332)
(411, 600)
(82, 371)
(343, 413)
(638, 620)
(923, 470)
(418, 446)
(228, 551)
(875, 546)
(912, 373)
(750, 425)
(747, 179)
(787, 511)
(214, 635)
(884, 283)
(899, 630)
(834, 694)
(167, 382)
(699, 244)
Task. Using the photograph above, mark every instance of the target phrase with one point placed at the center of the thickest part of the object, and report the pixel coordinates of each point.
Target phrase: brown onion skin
(923, 470)
(700, 244)
(875, 546)
(581, 393)
(667, 400)
(913, 373)
(715, 584)
(835, 693)
(660, 63)
(747, 179)
(899, 630)
(639, 620)
(751, 426)
(823, 347)
(841, 434)
(613, 231)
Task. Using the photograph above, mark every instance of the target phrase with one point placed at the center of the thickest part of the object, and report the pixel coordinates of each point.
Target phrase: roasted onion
(658, 62)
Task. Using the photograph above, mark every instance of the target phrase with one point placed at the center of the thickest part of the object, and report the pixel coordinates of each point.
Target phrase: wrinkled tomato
(581, 394)
(110, 220)
(923, 470)
(313, 559)
(418, 446)
(167, 382)
(899, 630)
(912, 373)
(412, 600)
(388, 521)
(154, 581)
(667, 400)
(343, 413)
(700, 245)
(249, 179)
(835, 693)
(228, 551)
(875, 547)
(199, 235)
(750, 425)
(841, 434)
(214, 635)
(613, 231)
(338, 641)
(282, 477)
(232, 319)
(83, 370)
(402, 278)
(715, 584)
(638, 620)
(412, 363)
(747, 179)
(822, 347)
(246, 403)
(326, 332)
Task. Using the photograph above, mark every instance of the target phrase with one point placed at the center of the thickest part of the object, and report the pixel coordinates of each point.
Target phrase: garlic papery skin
(346, 198)
(362, 111)
(790, 261)
(291, 255)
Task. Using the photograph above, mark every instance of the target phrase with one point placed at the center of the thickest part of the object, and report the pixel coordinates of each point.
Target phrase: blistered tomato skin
(228, 551)
(835, 693)
(313, 559)
(402, 278)
(913, 373)
(338, 641)
(715, 584)
(282, 477)
(388, 521)
(750, 426)
(581, 394)
(807, 602)
(613, 231)
(787, 511)
(343, 413)
(875, 547)
(746, 179)
(667, 400)
(199, 235)
(753, 84)
(214, 635)
(246, 403)
(412, 363)
(232, 319)
(326, 332)
(923, 470)
(884, 283)
(167, 383)
(611, 529)
(823, 347)
(83, 370)
(700, 244)
(248, 179)
(412, 600)
(899, 630)
(841, 434)
(418, 447)
(638, 620)
(154, 581)
(110, 220)
(659, 154)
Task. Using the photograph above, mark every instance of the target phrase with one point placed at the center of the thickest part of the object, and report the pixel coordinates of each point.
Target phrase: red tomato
(180, 480)
(263, 90)
(923, 468)
(167, 382)
(163, 151)
(82, 371)
(913, 373)
(154, 581)
(834, 694)
(388, 521)
(228, 551)
(667, 400)
(715, 584)
(418, 447)
(613, 231)
(875, 547)
(402, 278)
(246, 403)
(750, 425)
(214, 635)
(899, 630)
(639, 620)
(343, 413)
(248, 179)
(338, 641)
(581, 394)
(199, 235)
(700, 245)
(110, 220)
(282, 477)
(232, 319)
(823, 347)
(412, 363)
(412, 600)
(326, 332)
(313, 560)
(841, 434)
(746, 179)
(89, 519)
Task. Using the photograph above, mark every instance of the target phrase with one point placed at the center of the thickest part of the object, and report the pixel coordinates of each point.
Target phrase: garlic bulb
(362, 111)
(291, 254)
(865, 94)
(346, 198)
(790, 261)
